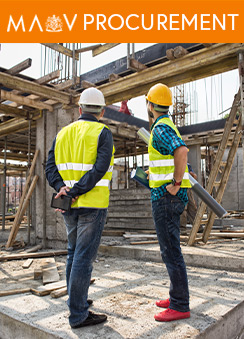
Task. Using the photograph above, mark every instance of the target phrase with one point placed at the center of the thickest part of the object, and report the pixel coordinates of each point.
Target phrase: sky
(208, 97)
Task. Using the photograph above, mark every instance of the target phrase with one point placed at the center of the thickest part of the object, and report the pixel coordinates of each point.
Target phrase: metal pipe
(4, 185)
(196, 187)
(133, 50)
(74, 66)
(128, 55)
(29, 165)
(44, 216)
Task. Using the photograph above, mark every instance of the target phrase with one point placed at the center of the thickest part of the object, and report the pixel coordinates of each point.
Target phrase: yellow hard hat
(160, 94)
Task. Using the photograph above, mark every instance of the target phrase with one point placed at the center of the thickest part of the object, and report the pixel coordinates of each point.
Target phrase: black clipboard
(63, 202)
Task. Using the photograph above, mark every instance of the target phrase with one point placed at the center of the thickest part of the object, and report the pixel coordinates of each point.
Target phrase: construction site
(128, 274)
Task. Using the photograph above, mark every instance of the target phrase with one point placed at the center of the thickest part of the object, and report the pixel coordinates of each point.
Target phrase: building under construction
(34, 110)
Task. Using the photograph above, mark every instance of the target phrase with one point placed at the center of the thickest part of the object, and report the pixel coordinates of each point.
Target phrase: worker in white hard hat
(169, 181)
(80, 165)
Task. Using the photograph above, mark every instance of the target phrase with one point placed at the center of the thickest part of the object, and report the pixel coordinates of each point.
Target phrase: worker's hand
(63, 191)
(172, 189)
(74, 199)
(147, 171)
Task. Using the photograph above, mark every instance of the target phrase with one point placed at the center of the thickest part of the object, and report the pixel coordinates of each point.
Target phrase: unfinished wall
(233, 198)
(55, 229)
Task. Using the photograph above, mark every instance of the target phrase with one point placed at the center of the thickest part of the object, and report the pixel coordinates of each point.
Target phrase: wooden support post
(17, 221)
(11, 236)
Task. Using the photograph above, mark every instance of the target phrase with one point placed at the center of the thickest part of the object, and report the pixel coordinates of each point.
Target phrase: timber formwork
(24, 100)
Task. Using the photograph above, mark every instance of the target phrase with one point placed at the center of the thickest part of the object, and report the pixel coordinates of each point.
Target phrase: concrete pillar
(55, 229)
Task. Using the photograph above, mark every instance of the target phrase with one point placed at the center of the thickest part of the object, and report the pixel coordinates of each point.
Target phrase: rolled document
(196, 187)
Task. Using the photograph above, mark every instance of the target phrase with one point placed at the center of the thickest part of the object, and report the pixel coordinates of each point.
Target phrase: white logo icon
(54, 24)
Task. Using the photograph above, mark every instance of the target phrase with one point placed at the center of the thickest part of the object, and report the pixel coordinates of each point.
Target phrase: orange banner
(123, 21)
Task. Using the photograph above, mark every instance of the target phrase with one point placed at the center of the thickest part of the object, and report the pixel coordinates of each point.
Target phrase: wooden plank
(32, 87)
(193, 66)
(47, 289)
(63, 291)
(21, 100)
(228, 234)
(14, 156)
(61, 49)
(12, 292)
(144, 242)
(103, 48)
(7, 217)
(59, 293)
(32, 168)
(50, 272)
(86, 49)
(14, 112)
(32, 255)
(20, 67)
(27, 263)
(145, 236)
(34, 249)
(41, 81)
(48, 77)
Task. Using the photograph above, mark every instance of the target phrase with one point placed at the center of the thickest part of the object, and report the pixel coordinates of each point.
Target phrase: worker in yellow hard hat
(169, 181)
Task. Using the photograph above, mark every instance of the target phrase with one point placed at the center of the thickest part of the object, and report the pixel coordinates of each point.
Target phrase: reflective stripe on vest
(75, 154)
(161, 167)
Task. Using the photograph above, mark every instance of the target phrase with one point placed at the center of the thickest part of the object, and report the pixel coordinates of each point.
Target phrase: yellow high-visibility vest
(75, 154)
(161, 167)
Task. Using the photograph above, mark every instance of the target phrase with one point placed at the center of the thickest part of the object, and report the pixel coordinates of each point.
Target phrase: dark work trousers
(166, 214)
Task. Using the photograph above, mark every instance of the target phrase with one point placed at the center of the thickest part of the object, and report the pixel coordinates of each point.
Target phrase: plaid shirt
(165, 141)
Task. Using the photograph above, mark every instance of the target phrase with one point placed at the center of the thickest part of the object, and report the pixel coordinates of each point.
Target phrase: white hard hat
(92, 96)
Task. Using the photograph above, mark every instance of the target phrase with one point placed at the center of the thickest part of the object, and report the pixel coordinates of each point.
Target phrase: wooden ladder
(221, 167)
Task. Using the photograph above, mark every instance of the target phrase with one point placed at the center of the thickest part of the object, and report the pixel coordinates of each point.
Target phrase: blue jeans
(84, 234)
(166, 214)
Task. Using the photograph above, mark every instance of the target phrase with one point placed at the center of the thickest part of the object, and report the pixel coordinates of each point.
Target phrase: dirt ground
(126, 291)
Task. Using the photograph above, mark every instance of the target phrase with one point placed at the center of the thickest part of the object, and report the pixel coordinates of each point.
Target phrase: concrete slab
(125, 289)
(216, 254)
